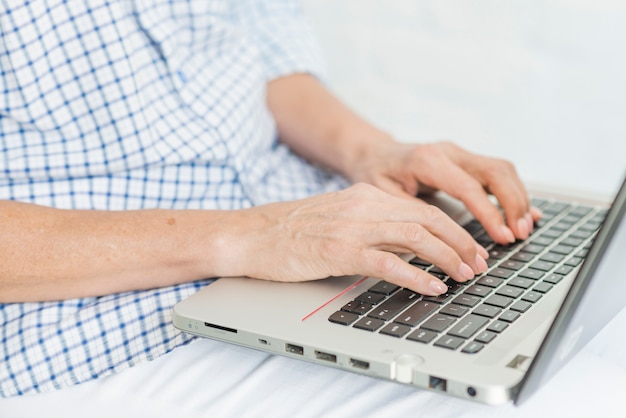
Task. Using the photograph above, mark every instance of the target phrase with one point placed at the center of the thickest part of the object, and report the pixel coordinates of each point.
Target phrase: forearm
(51, 254)
(317, 126)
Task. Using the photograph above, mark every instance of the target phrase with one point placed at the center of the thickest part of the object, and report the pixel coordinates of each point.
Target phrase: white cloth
(214, 379)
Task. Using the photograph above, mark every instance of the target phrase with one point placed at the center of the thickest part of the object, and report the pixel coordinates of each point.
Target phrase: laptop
(493, 340)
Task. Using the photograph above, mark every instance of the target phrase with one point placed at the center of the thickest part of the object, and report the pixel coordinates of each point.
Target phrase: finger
(411, 217)
(501, 179)
(461, 185)
(390, 267)
(416, 239)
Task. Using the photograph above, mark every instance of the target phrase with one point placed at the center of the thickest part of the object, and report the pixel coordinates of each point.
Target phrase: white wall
(539, 82)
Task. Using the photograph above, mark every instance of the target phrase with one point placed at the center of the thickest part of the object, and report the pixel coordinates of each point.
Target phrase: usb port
(326, 356)
(294, 349)
(359, 364)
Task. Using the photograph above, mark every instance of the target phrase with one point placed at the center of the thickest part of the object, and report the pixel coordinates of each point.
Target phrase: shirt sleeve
(283, 36)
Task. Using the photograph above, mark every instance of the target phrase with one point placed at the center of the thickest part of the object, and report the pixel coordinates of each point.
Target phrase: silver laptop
(495, 339)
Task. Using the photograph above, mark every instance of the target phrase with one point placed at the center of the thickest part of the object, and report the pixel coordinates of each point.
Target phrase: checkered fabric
(119, 104)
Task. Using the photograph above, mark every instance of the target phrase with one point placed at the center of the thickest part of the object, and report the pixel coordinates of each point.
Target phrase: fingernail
(508, 234)
(530, 222)
(438, 287)
(536, 212)
(522, 227)
(466, 271)
(482, 252)
(481, 264)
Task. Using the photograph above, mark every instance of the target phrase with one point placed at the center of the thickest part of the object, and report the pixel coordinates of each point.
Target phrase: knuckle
(383, 264)
(415, 233)
(498, 167)
(433, 212)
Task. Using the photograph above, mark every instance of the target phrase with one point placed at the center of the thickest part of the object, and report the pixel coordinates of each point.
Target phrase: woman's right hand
(359, 230)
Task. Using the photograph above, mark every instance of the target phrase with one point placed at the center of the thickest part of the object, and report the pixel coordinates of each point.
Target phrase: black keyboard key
(450, 342)
(498, 252)
(485, 337)
(509, 316)
(572, 241)
(350, 306)
(510, 291)
(542, 265)
(453, 286)
(543, 240)
(532, 296)
(564, 269)
(531, 273)
(521, 306)
(369, 324)
(436, 270)
(538, 202)
(501, 273)
(487, 310)
(419, 262)
(581, 233)
(343, 318)
(574, 261)
(490, 281)
(478, 290)
(395, 330)
(499, 301)
(422, 336)
(553, 278)
(581, 211)
(474, 227)
(472, 347)
(440, 299)
(523, 256)
(497, 326)
(543, 287)
(561, 226)
(468, 326)
(466, 300)
(357, 307)
(438, 322)
(394, 304)
(562, 249)
(384, 288)
(416, 313)
(454, 310)
(590, 225)
(369, 297)
(512, 264)
(532, 248)
(521, 282)
(552, 257)
(552, 233)
(555, 207)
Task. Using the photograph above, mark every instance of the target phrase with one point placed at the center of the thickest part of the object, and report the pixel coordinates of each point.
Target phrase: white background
(539, 82)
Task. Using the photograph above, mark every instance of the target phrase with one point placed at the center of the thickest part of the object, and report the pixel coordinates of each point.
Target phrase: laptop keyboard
(472, 314)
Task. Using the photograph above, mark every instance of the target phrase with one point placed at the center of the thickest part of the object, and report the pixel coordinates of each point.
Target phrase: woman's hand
(407, 169)
(359, 230)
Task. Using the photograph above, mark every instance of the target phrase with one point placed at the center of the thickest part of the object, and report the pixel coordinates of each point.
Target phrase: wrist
(361, 148)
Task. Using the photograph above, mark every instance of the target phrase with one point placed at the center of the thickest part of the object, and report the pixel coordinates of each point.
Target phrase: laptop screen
(596, 296)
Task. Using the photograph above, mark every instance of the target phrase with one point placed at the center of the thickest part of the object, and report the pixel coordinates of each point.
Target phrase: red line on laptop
(355, 284)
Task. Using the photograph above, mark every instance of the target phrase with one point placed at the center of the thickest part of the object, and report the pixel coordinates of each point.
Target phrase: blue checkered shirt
(113, 104)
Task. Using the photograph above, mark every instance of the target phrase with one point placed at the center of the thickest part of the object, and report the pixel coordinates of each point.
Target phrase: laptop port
(294, 349)
(325, 356)
(437, 383)
(359, 364)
